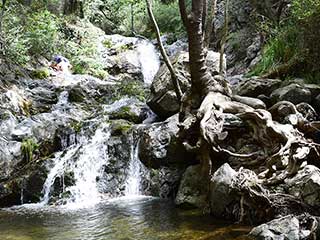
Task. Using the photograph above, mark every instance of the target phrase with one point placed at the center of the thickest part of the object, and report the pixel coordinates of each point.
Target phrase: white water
(144, 55)
(149, 60)
(133, 181)
(88, 167)
(85, 160)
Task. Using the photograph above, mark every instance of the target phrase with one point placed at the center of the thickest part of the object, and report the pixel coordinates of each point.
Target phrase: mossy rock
(120, 127)
(127, 113)
(40, 73)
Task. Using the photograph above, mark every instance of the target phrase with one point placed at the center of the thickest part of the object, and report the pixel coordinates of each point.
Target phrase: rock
(306, 185)
(294, 93)
(42, 99)
(24, 186)
(163, 100)
(192, 192)
(307, 111)
(285, 228)
(130, 109)
(159, 145)
(162, 182)
(252, 102)
(316, 103)
(253, 87)
(176, 47)
(220, 189)
(77, 94)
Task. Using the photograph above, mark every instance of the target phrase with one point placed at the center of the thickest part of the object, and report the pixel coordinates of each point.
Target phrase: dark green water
(126, 219)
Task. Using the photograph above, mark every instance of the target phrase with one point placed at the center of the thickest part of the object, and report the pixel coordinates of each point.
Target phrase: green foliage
(41, 73)
(28, 147)
(295, 40)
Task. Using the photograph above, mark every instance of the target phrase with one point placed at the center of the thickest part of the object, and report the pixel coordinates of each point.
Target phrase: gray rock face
(306, 185)
(162, 182)
(285, 228)
(220, 188)
(130, 109)
(253, 87)
(294, 93)
(159, 145)
(191, 190)
(163, 99)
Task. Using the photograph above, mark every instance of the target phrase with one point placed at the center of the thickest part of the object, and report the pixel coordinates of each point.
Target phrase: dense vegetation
(291, 47)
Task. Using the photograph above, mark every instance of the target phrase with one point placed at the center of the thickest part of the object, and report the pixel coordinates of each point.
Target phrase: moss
(107, 43)
(120, 127)
(130, 89)
(76, 126)
(40, 73)
(28, 148)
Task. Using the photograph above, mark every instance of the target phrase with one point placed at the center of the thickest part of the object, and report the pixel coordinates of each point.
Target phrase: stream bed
(140, 218)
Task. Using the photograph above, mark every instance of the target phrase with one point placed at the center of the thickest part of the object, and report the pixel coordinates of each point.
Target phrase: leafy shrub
(294, 43)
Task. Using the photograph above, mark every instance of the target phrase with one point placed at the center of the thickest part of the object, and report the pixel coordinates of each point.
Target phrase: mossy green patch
(28, 148)
(40, 73)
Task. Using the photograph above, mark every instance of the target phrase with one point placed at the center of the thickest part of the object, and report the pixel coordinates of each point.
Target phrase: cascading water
(144, 55)
(133, 181)
(85, 160)
(149, 60)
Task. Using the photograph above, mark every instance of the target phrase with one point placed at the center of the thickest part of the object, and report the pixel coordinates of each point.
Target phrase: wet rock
(130, 109)
(294, 93)
(306, 185)
(253, 87)
(163, 99)
(113, 180)
(77, 94)
(10, 156)
(24, 186)
(162, 182)
(288, 227)
(42, 99)
(192, 192)
(220, 189)
(159, 145)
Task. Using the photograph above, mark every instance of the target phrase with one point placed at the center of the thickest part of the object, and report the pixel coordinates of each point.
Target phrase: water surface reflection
(122, 219)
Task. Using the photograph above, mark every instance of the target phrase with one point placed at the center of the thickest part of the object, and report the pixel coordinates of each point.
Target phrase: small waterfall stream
(149, 60)
(85, 160)
(133, 181)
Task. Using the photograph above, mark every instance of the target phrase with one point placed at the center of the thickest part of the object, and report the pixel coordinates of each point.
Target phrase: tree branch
(166, 59)
(183, 13)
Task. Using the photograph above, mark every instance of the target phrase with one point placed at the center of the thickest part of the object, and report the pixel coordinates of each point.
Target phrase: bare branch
(166, 59)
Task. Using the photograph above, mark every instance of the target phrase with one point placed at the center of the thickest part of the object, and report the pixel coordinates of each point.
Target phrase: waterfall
(85, 160)
(88, 167)
(149, 60)
(133, 181)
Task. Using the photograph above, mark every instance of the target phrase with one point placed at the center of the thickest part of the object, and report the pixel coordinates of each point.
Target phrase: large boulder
(287, 228)
(130, 109)
(159, 146)
(192, 192)
(306, 185)
(220, 189)
(294, 93)
(253, 87)
(163, 98)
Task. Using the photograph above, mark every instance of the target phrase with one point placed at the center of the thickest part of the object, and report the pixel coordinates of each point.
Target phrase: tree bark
(225, 35)
(166, 59)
